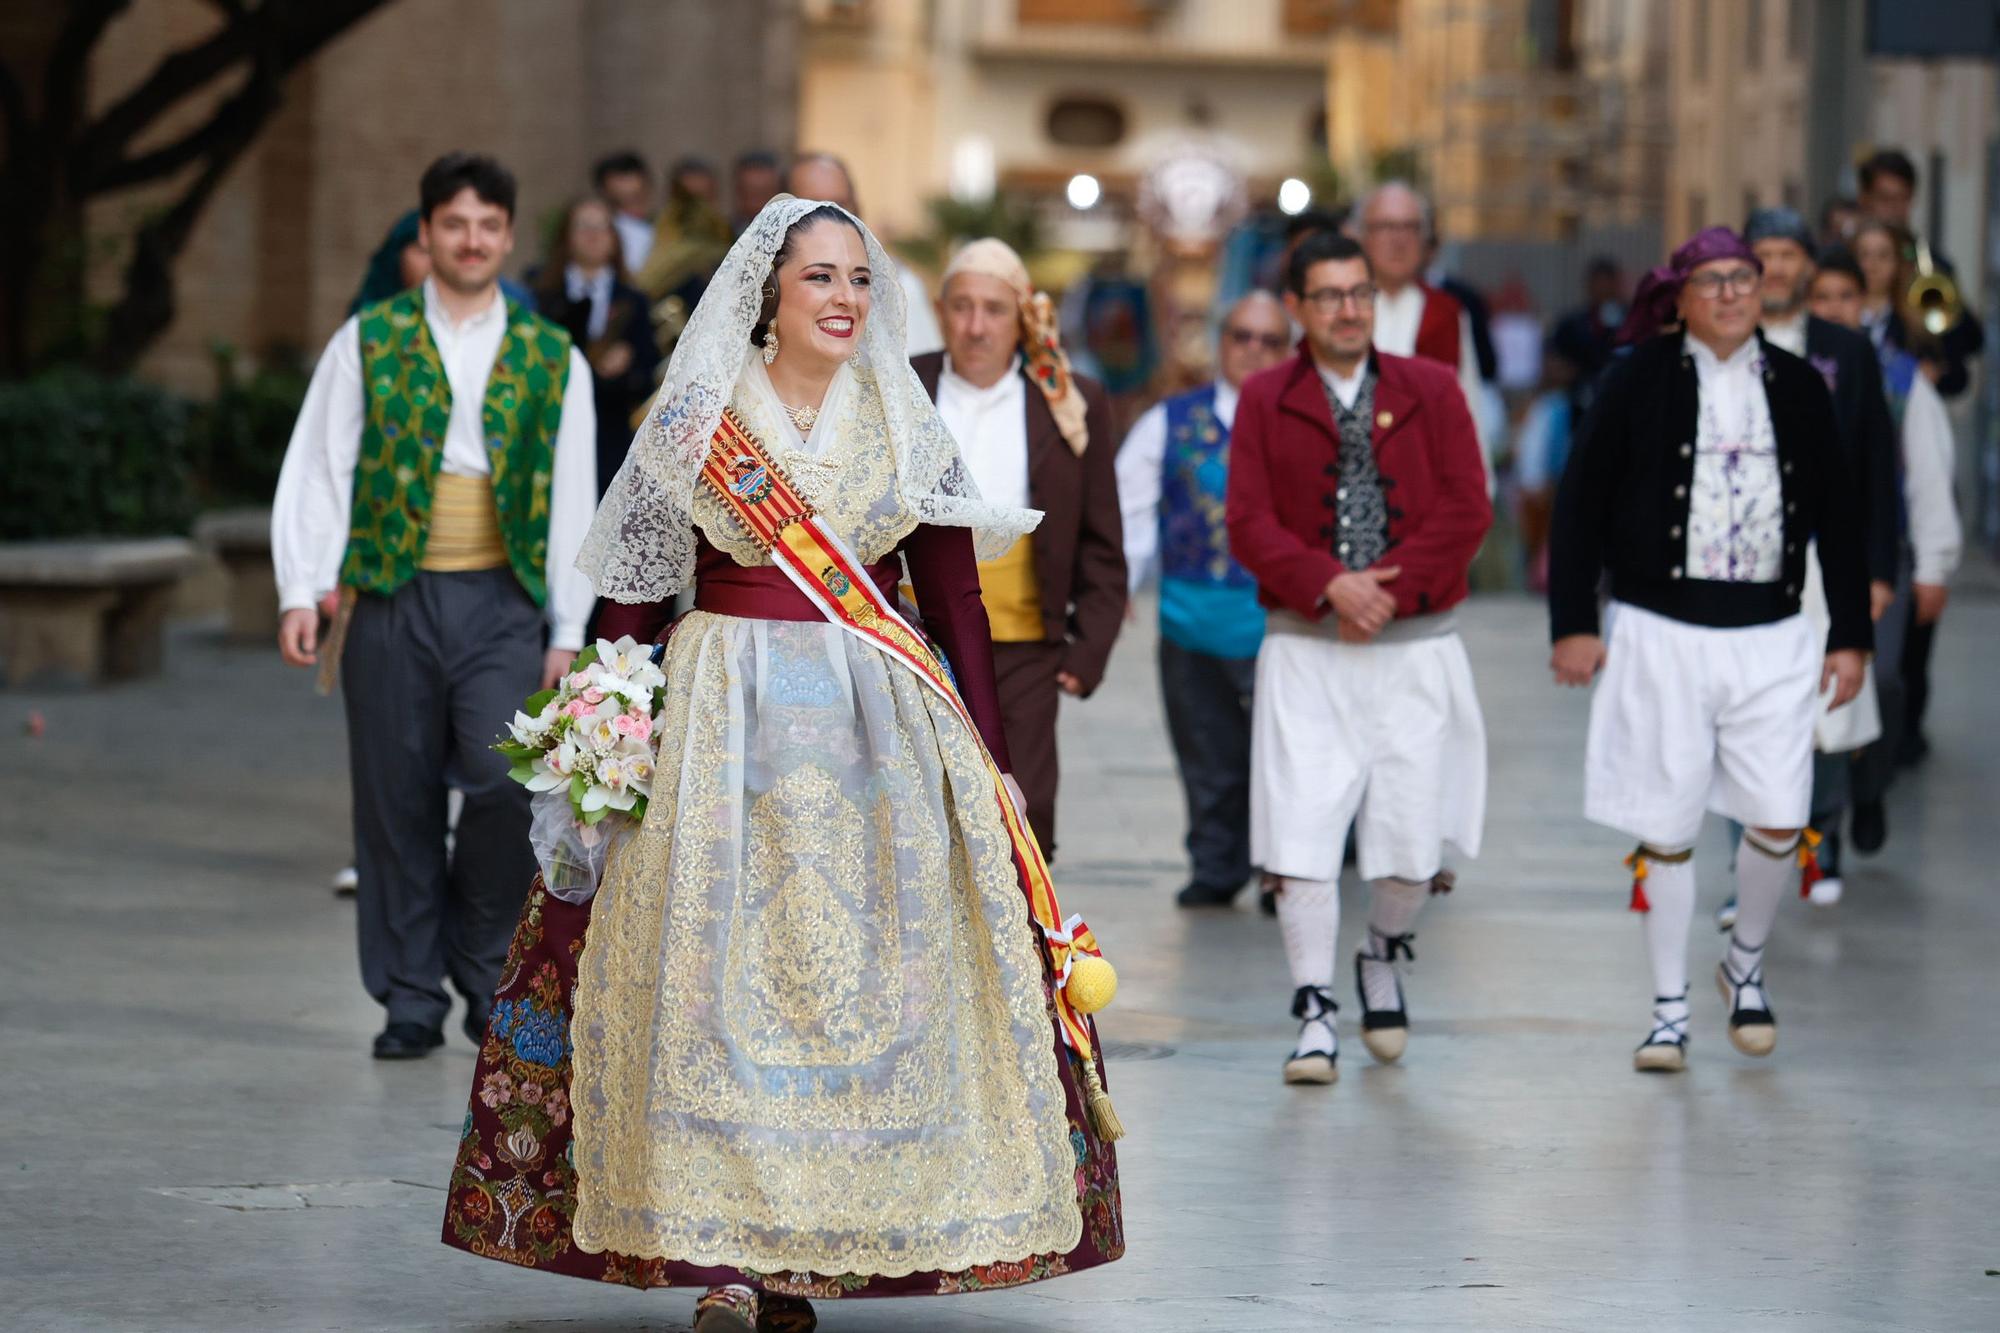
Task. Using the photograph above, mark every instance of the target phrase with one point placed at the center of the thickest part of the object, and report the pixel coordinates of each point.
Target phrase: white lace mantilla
(641, 545)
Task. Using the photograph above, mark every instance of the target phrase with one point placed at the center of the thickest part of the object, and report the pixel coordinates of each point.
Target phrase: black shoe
(1385, 1032)
(1206, 895)
(475, 1026)
(407, 1041)
(1869, 828)
(1267, 901)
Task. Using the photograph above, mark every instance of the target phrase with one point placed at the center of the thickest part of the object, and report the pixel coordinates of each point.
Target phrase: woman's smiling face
(823, 294)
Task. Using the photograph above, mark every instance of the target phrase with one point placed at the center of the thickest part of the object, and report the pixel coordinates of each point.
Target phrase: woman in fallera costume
(812, 1043)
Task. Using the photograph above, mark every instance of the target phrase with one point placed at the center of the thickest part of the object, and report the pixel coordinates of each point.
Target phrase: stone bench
(93, 607)
(241, 540)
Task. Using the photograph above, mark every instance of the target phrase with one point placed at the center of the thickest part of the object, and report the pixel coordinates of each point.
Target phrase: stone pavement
(196, 1139)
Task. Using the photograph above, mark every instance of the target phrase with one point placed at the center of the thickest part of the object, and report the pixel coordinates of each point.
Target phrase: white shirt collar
(1789, 334)
(1347, 388)
(436, 313)
(581, 284)
(1007, 385)
(1226, 396)
(1706, 360)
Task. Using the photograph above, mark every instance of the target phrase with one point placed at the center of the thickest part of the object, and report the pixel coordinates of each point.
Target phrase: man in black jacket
(1706, 467)
(1846, 360)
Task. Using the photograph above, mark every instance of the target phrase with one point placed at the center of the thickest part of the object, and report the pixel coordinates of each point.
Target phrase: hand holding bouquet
(585, 749)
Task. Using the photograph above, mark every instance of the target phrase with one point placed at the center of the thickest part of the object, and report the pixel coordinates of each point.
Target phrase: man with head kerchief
(1357, 499)
(1036, 436)
(1173, 476)
(1785, 246)
(1707, 469)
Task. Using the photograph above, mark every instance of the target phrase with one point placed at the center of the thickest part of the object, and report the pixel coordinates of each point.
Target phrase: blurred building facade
(931, 98)
(545, 87)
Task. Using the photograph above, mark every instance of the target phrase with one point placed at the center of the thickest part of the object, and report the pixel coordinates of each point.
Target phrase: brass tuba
(1931, 303)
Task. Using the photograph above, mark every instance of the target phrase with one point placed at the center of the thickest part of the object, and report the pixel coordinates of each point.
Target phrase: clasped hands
(1360, 602)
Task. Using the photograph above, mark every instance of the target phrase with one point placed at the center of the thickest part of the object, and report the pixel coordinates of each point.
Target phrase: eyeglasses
(1709, 285)
(1333, 298)
(1270, 342)
(1395, 227)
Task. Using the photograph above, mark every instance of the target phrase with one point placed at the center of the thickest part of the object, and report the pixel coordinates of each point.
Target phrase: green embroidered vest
(402, 442)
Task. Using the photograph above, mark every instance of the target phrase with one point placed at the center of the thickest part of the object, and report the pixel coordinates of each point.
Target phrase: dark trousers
(431, 675)
(1917, 676)
(1208, 718)
(1875, 763)
(1029, 697)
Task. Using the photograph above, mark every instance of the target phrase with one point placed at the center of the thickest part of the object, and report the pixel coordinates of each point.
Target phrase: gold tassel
(1102, 1117)
(334, 644)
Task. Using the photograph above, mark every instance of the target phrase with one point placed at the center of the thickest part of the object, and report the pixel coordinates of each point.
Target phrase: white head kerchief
(641, 545)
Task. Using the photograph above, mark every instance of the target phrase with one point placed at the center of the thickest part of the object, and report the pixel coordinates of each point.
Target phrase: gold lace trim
(810, 1025)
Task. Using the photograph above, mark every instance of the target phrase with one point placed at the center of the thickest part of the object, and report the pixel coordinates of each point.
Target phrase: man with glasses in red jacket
(1357, 500)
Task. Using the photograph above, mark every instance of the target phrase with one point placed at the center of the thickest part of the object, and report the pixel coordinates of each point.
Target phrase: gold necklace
(802, 417)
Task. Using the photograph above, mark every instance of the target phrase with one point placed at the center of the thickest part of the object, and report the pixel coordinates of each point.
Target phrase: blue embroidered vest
(1208, 602)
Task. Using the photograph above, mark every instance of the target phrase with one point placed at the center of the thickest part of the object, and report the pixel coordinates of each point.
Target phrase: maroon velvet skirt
(513, 1189)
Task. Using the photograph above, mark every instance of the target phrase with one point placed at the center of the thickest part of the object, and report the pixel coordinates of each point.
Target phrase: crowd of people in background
(628, 262)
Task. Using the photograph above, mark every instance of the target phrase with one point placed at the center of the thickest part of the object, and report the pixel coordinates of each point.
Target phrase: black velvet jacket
(1622, 507)
(1846, 360)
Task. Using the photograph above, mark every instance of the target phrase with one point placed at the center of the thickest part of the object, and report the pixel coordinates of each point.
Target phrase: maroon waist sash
(763, 592)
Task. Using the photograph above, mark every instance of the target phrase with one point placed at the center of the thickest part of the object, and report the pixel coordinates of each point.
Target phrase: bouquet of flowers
(585, 749)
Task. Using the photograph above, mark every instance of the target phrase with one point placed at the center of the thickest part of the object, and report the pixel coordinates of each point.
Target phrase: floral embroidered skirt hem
(514, 1187)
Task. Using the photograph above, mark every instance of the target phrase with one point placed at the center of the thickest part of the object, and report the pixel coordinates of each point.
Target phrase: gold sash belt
(465, 527)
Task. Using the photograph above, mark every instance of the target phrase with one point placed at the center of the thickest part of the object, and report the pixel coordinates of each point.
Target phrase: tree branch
(287, 32)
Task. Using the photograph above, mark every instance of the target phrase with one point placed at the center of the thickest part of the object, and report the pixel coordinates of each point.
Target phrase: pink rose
(636, 725)
(593, 696)
(578, 680)
(578, 708)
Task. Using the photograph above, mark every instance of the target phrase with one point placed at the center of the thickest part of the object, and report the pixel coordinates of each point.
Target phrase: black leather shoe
(407, 1041)
(475, 1027)
(1869, 828)
(1206, 895)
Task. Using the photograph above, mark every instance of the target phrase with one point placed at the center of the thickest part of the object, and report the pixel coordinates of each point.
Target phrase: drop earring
(771, 344)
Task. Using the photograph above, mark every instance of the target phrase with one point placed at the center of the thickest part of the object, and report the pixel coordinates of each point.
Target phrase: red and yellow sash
(741, 473)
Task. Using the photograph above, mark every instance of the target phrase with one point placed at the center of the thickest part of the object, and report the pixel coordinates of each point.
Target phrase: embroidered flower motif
(497, 1090)
(539, 1039)
(1828, 368)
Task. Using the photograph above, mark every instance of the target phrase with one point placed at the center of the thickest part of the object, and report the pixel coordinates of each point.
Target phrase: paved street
(195, 1137)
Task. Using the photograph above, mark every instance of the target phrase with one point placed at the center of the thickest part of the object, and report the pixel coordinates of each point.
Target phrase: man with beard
(1357, 499)
(1784, 245)
(434, 496)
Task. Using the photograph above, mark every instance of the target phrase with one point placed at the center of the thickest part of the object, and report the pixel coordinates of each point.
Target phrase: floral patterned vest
(402, 442)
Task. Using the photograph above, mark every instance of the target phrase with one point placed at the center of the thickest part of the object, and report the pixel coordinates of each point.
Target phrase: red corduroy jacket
(1284, 470)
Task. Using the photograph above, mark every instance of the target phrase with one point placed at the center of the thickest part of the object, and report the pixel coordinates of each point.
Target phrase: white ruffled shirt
(312, 512)
(1736, 507)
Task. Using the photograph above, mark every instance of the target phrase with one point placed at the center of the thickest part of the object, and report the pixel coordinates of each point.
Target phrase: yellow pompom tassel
(1092, 982)
(1097, 1102)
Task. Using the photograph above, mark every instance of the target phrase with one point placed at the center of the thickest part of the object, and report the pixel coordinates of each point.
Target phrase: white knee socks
(1309, 918)
(1392, 910)
(1765, 873)
(1670, 891)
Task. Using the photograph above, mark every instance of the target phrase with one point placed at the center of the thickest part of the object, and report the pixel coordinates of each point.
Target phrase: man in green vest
(434, 495)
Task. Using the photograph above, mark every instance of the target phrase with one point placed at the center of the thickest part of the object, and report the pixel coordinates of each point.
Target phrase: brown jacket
(1080, 545)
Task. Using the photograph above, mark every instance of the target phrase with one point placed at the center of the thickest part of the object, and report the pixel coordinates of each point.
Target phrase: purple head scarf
(1658, 296)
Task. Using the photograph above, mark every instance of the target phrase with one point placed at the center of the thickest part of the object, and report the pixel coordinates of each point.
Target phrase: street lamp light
(1083, 191)
(1294, 195)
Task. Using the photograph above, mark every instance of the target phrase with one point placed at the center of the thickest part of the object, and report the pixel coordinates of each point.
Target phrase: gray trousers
(431, 676)
(1208, 718)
